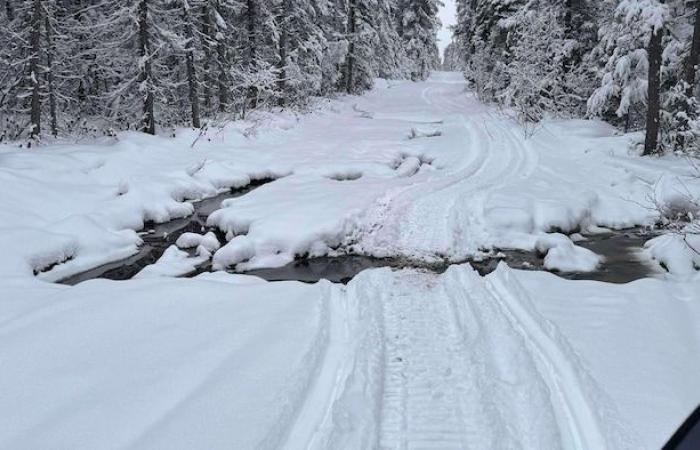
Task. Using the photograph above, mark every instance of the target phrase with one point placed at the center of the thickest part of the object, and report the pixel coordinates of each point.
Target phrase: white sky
(448, 17)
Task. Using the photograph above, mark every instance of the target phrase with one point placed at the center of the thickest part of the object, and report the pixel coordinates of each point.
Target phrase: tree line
(67, 66)
(631, 62)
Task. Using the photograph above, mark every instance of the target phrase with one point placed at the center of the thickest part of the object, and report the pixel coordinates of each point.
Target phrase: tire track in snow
(418, 221)
(421, 407)
(585, 424)
(418, 360)
(314, 416)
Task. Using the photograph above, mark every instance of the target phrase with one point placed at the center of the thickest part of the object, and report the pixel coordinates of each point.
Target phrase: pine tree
(83, 66)
(301, 43)
(536, 69)
(623, 46)
(190, 57)
(360, 34)
(418, 29)
(452, 58)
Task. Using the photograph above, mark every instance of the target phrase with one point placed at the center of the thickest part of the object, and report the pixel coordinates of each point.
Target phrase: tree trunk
(252, 52)
(35, 42)
(9, 11)
(352, 28)
(651, 141)
(208, 80)
(282, 66)
(692, 63)
(222, 64)
(50, 77)
(191, 70)
(222, 84)
(146, 76)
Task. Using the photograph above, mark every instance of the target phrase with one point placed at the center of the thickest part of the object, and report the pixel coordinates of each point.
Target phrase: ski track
(453, 360)
(412, 221)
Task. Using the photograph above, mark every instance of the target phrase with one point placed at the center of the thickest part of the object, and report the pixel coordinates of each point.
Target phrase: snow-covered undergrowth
(225, 361)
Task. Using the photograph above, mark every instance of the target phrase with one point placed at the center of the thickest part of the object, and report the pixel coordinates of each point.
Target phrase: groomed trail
(452, 361)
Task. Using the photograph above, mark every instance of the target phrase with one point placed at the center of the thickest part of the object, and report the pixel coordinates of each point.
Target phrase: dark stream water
(158, 237)
(619, 249)
(621, 265)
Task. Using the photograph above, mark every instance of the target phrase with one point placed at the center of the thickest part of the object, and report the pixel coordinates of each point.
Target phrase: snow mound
(678, 253)
(408, 167)
(563, 255)
(208, 242)
(173, 263)
(237, 250)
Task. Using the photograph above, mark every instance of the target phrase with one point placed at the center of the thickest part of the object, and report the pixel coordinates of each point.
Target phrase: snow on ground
(395, 359)
(354, 174)
(159, 364)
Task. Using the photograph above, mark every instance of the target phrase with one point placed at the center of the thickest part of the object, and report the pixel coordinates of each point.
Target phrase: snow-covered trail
(441, 216)
(451, 361)
(395, 359)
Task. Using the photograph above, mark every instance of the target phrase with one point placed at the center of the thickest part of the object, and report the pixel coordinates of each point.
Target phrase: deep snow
(406, 358)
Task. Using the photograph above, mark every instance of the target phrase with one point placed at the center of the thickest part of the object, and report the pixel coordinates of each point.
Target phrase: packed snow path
(451, 361)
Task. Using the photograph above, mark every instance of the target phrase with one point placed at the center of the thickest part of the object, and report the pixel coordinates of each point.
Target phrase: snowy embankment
(416, 170)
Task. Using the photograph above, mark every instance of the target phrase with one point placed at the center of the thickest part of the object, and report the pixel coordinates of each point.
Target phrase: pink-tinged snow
(395, 359)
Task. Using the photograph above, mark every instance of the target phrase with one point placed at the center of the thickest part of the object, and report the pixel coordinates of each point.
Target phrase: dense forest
(74, 66)
(631, 62)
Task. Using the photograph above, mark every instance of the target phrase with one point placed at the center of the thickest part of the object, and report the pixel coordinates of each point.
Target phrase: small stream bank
(158, 237)
(621, 250)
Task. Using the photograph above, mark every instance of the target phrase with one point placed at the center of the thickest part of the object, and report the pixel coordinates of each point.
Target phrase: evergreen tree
(85, 66)
(418, 29)
(623, 46)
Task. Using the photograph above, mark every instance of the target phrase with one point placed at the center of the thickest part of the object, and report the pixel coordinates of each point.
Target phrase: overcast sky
(447, 15)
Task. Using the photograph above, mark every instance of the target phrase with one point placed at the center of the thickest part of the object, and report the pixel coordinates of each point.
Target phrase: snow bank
(297, 215)
(678, 252)
(172, 263)
(639, 342)
(160, 364)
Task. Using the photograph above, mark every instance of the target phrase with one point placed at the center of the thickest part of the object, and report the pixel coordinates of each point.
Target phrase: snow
(207, 243)
(173, 263)
(159, 364)
(397, 358)
(678, 252)
(564, 256)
